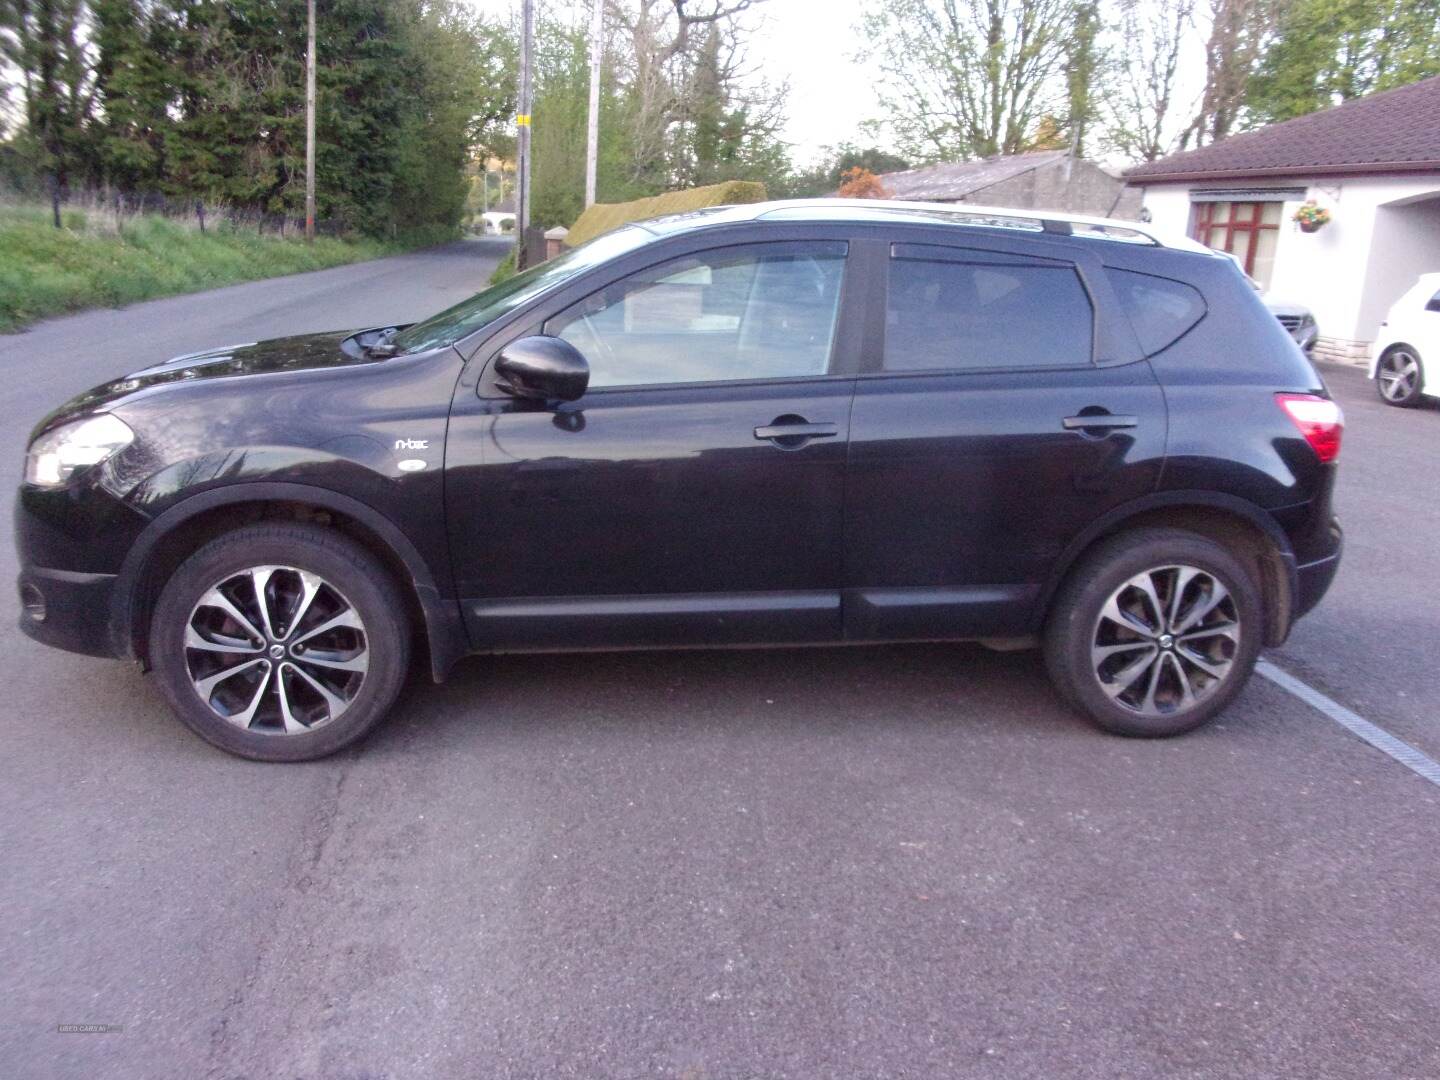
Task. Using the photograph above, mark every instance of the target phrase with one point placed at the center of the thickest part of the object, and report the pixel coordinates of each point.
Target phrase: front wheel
(1400, 377)
(280, 642)
(1155, 632)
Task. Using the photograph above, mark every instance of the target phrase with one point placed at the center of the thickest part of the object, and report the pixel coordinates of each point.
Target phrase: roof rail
(1048, 221)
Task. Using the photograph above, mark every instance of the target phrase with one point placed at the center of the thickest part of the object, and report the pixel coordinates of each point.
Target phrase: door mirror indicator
(542, 368)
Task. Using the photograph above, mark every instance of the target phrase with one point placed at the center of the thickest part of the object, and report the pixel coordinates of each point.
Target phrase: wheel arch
(186, 526)
(1239, 525)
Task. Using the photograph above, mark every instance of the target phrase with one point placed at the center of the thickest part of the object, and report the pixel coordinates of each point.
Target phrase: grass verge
(94, 263)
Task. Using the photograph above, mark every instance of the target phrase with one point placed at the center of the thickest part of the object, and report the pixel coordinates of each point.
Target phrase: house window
(1247, 230)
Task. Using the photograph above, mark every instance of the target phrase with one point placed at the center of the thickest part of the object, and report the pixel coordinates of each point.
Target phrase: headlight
(55, 456)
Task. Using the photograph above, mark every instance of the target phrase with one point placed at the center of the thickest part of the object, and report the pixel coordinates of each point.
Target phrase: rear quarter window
(1160, 309)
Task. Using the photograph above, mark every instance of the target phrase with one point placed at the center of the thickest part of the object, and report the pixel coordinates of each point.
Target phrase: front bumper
(72, 542)
(67, 609)
(1305, 335)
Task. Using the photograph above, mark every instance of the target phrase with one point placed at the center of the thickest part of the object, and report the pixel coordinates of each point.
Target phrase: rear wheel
(1155, 632)
(280, 642)
(1400, 376)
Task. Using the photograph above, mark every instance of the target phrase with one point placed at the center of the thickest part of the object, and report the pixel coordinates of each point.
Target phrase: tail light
(1319, 420)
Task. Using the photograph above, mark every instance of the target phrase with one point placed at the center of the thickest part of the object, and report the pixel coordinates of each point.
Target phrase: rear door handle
(1098, 421)
(784, 429)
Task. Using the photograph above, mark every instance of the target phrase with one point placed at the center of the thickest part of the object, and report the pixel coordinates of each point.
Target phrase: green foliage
(204, 99)
(679, 124)
(602, 217)
(504, 270)
(825, 177)
(970, 78)
(49, 271)
(1334, 50)
(1082, 67)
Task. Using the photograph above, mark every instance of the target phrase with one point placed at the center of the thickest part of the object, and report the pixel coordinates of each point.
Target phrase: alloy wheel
(1399, 375)
(1165, 640)
(276, 650)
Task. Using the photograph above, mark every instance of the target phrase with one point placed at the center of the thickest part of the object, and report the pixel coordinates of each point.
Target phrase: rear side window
(975, 316)
(1159, 309)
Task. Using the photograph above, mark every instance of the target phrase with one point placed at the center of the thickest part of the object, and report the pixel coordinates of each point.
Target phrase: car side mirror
(542, 368)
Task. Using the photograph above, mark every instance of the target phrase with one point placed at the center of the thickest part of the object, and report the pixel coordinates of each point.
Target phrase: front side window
(761, 312)
(976, 316)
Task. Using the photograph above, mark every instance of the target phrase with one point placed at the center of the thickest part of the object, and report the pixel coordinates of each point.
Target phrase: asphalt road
(897, 862)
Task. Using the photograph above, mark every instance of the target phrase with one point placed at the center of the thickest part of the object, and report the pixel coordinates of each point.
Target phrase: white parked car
(1409, 339)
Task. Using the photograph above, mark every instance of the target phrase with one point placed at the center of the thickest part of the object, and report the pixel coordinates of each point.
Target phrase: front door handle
(791, 432)
(1099, 421)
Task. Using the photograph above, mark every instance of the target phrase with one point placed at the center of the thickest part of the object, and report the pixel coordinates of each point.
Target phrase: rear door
(1004, 409)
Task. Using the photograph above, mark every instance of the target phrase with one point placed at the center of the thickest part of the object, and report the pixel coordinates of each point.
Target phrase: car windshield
(470, 315)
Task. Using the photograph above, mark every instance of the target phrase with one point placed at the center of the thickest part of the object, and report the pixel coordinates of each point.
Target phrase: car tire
(1400, 377)
(1104, 625)
(241, 678)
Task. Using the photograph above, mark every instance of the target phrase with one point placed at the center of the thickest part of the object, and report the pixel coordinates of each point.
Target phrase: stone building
(1039, 180)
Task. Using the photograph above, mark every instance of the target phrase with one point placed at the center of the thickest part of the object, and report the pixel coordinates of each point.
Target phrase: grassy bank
(98, 261)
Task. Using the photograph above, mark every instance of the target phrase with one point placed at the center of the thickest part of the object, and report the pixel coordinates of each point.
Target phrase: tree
(1082, 67)
(858, 183)
(680, 70)
(44, 41)
(1327, 51)
(135, 82)
(970, 78)
(1239, 30)
(1141, 115)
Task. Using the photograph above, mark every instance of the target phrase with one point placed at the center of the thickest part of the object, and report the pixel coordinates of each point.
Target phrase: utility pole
(592, 135)
(522, 123)
(310, 127)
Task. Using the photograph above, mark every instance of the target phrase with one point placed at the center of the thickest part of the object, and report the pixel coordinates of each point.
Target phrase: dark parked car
(789, 423)
(1298, 322)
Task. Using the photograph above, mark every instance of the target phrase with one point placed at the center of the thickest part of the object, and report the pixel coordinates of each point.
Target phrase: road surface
(888, 862)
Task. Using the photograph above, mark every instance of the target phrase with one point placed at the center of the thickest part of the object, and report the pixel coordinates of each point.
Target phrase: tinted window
(1159, 309)
(970, 316)
(760, 312)
(1434, 304)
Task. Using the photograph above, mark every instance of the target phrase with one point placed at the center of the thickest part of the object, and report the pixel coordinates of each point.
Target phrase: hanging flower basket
(1311, 217)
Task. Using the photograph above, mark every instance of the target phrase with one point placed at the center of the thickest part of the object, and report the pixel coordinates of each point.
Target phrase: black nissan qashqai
(780, 424)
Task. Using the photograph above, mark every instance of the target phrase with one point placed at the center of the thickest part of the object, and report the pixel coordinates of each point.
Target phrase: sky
(809, 43)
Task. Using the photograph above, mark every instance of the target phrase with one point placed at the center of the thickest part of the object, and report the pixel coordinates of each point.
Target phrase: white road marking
(1377, 737)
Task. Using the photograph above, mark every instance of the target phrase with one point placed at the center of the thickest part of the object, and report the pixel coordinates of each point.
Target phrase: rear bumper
(1312, 582)
(67, 609)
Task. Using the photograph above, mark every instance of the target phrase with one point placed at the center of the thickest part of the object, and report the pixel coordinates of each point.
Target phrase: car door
(1004, 410)
(695, 493)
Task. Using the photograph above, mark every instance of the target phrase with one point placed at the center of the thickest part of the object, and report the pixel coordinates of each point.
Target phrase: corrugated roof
(1393, 131)
(955, 180)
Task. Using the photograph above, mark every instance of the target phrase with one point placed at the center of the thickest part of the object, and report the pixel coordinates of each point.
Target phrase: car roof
(1010, 219)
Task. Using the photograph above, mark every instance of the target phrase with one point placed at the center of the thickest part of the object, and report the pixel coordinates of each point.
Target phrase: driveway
(881, 862)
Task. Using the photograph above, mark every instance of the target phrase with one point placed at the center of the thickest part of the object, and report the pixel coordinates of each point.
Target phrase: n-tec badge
(411, 464)
(412, 444)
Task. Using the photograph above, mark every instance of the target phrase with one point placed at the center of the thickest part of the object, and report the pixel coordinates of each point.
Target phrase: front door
(694, 494)
(1000, 420)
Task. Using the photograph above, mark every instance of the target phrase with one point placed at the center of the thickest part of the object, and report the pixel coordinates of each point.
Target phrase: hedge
(602, 217)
